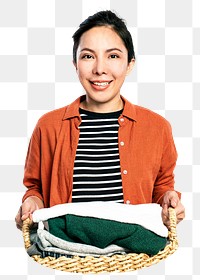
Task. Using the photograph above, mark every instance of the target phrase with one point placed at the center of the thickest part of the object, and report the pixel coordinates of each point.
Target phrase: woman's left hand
(171, 199)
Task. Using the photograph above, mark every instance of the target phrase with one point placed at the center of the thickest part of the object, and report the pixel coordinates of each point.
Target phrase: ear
(130, 66)
(75, 65)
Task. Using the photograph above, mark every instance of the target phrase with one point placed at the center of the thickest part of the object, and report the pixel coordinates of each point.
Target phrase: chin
(100, 97)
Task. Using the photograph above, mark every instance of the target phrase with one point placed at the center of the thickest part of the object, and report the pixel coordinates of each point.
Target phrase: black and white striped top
(97, 175)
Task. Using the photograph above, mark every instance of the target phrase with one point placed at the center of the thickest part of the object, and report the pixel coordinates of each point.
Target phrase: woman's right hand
(31, 204)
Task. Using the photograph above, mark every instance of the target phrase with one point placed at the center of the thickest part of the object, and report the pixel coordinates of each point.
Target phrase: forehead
(101, 37)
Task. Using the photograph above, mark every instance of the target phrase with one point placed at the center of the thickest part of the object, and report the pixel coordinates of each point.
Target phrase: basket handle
(26, 232)
(172, 235)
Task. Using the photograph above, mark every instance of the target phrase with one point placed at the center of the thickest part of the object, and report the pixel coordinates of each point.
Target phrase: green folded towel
(102, 232)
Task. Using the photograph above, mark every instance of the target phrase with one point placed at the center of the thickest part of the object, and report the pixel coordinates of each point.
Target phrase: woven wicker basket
(115, 263)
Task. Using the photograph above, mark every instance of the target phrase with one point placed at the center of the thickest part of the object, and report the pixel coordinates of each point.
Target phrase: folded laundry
(146, 215)
(102, 233)
(46, 244)
(99, 228)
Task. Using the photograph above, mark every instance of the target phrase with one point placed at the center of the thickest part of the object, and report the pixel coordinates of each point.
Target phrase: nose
(100, 67)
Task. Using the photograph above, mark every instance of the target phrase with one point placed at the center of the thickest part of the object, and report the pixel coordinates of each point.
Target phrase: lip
(100, 81)
(100, 85)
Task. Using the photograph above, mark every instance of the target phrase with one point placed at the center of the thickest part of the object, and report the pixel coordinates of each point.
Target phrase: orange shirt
(146, 148)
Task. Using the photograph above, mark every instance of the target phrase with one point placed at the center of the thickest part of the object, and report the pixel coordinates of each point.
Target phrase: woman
(101, 147)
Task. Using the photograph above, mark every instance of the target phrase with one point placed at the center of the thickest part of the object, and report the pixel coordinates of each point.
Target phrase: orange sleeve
(165, 179)
(32, 171)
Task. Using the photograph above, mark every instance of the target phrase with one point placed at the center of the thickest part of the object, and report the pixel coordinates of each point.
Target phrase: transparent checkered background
(37, 75)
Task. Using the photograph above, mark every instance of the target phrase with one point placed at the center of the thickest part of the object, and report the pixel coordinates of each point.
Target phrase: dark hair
(105, 18)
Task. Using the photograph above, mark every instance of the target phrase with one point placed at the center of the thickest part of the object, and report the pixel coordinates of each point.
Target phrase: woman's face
(102, 65)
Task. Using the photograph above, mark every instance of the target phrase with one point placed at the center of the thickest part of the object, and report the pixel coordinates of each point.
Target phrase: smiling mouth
(100, 84)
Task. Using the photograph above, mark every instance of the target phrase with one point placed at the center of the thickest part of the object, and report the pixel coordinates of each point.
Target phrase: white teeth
(101, 84)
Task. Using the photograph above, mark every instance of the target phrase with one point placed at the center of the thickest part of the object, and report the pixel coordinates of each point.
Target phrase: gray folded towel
(44, 241)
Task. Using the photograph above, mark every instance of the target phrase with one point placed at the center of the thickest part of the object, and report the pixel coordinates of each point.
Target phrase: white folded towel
(146, 215)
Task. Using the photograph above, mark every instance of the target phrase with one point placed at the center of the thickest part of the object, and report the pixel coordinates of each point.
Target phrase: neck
(98, 107)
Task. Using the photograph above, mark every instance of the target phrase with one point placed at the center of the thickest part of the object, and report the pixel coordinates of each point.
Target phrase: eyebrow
(109, 50)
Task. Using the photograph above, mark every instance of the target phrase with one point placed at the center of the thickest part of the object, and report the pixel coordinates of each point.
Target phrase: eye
(114, 56)
(87, 56)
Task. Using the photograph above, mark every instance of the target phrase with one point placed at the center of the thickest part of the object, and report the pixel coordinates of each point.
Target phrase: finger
(165, 217)
(180, 217)
(173, 199)
(26, 210)
(173, 202)
(178, 220)
(166, 221)
(18, 220)
(167, 224)
(19, 226)
(25, 215)
(165, 209)
(18, 223)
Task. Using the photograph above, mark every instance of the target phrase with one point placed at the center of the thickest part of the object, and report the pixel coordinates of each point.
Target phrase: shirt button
(122, 143)
(128, 202)
(122, 119)
(125, 172)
